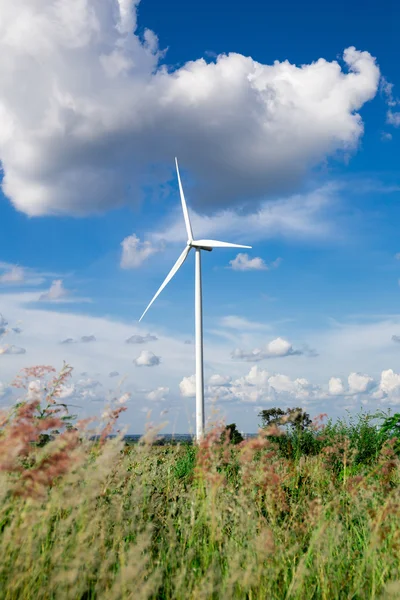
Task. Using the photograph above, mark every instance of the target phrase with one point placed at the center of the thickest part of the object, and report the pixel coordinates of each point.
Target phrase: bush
(232, 433)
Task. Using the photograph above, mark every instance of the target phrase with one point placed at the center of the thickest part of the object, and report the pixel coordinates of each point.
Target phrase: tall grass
(82, 520)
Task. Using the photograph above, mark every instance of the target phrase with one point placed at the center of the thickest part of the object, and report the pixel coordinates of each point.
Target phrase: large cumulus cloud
(88, 114)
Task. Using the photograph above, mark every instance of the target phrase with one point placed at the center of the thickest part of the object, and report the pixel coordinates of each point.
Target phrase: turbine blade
(184, 207)
(168, 278)
(215, 244)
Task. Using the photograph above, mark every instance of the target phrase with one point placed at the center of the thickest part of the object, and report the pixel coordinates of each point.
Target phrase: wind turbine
(198, 245)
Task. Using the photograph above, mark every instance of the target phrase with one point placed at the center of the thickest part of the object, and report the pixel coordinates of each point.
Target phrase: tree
(295, 418)
(271, 416)
(298, 419)
(234, 435)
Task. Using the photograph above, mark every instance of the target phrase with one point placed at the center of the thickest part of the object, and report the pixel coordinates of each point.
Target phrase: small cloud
(114, 374)
(17, 329)
(275, 263)
(68, 341)
(147, 359)
(386, 89)
(14, 275)
(359, 384)
(66, 391)
(187, 387)
(158, 395)
(243, 262)
(393, 118)
(396, 338)
(187, 342)
(219, 380)
(141, 339)
(386, 137)
(335, 386)
(135, 252)
(88, 338)
(397, 256)
(277, 348)
(12, 350)
(56, 292)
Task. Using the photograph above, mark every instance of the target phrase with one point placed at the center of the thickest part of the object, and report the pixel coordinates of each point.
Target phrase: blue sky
(298, 159)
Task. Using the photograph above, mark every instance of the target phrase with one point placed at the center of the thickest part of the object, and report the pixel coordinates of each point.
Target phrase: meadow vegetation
(305, 510)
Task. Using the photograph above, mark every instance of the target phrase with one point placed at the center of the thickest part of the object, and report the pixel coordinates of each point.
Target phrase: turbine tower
(198, 245)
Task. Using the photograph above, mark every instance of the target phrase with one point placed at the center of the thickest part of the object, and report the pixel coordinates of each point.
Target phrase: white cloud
(243, 262)
(387, 89)
(135, 252)
(393, 118)
(279, 347)
(66, 391)
(390, 383)
(386, 136)
(261, 387)
(56, 292)
(258, 386)
(34, 391)
(12, 350)
(14, 275)
(147, 359)
(274, 349)
(141, 339)
(358, 383)
(158, 395)
(69, 150)
(297, 216)
(364, 347)
(188, 387)
(217, 380)
(335, 386)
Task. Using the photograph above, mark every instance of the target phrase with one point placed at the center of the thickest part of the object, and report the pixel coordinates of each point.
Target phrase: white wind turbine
(198, 245)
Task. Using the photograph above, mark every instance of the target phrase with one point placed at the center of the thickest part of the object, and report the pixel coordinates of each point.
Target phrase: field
(305, 514)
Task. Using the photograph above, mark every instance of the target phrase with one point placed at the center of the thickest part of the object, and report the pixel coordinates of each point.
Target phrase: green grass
(209, 522)
(316, 517)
